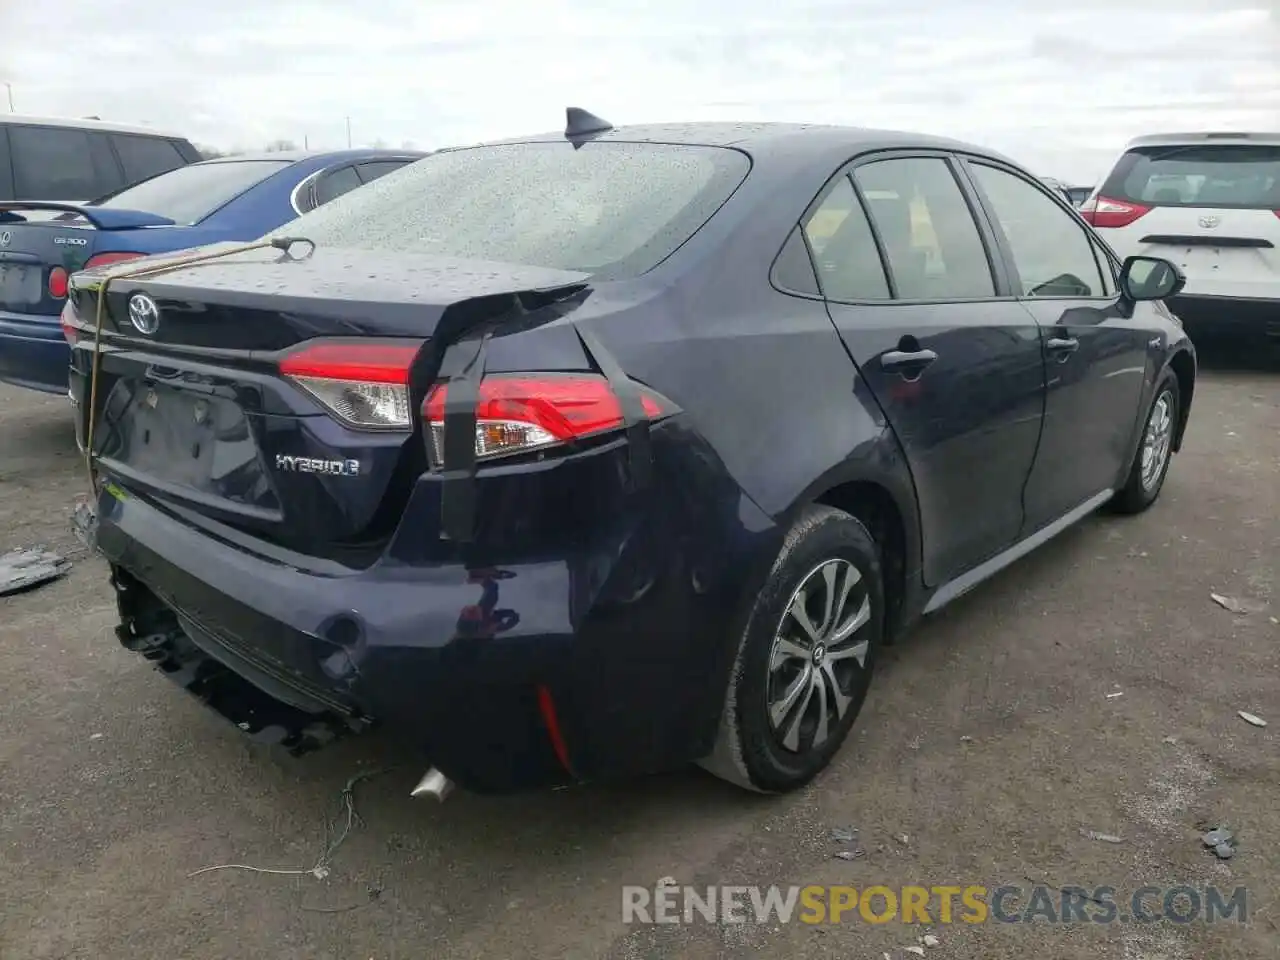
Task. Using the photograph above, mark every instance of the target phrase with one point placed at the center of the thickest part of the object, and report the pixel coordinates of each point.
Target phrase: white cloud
(1060, 88)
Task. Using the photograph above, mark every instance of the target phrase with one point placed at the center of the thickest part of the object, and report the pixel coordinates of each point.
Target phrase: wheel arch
(1183, 365)
(883, 497)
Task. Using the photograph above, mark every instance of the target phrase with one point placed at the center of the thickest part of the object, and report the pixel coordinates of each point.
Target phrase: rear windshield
(189, 194)
(1211, 175)
(606, 208)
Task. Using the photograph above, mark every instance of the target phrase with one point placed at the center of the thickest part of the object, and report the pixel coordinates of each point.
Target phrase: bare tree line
(281, 146)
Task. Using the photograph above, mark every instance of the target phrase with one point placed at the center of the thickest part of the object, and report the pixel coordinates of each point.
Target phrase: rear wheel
(805, 658)
(1151, 463)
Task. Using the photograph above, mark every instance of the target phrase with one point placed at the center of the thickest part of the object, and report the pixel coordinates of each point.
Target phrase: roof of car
(294, 156)
(769, 137)
(1174, 139)
(87, 124)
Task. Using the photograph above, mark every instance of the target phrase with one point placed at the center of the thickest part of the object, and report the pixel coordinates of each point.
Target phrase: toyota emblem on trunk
(1209, 222)
(144, 314)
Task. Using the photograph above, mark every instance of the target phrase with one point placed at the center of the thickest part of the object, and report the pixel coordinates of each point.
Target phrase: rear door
(1209, 207)
(954, 361)
(1096, 352)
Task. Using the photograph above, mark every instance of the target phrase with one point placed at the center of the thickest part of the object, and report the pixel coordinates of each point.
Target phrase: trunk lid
(38, 238)
(198, 413)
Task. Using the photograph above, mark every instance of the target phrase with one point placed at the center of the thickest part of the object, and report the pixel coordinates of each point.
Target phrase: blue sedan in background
(229, 199)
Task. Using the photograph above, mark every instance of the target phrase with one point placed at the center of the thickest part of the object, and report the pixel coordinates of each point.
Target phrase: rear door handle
(1063, 344)
(909, 361)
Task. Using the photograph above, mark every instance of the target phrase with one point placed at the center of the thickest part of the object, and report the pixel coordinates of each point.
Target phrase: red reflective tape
(547, 707)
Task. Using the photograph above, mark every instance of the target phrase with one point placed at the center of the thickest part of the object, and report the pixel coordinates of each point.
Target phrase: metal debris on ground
(26, 568)
(1251, 718)
(854, 854)
(1104, 837)
(1118, 693)
(844, 834)
(1228, 603)
(349, 819)
(1221, 841)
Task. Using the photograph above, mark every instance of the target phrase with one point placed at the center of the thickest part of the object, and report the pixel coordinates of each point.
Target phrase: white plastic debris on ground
(23, 569)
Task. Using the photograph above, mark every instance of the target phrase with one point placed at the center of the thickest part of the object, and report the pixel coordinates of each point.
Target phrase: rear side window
(844, 249)
(145, 157)
(931, 241)
(55, 163)
(374, 169)
(606, 207)
(189, 194)
(335, 183)
(1243, 176)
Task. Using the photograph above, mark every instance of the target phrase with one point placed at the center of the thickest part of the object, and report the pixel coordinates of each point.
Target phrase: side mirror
(1150, 278)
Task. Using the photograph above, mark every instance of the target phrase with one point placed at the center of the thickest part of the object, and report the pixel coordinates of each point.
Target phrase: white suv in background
(1210, 202)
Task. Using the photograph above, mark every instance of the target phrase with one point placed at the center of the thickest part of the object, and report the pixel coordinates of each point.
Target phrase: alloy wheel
(818, 655)
(1156, 440)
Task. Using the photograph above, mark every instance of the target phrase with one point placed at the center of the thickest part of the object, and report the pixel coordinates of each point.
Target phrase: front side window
(1053, 254)
(607, 208)
(931, 242)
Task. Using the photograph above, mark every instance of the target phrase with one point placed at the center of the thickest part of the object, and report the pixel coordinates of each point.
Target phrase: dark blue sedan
(591, 454)
(234, 198)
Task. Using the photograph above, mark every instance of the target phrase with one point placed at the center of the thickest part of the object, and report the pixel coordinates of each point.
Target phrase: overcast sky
(1059, 87)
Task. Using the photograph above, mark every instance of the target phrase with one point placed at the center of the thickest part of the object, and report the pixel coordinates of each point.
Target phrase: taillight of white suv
(1106, 212)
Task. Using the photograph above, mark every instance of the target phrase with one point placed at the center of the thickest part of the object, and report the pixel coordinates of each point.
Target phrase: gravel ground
(989, 741)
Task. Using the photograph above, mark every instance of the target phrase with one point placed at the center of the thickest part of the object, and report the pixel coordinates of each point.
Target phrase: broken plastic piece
(23, 569)
(1217, 836)
(1252, 718)
(581, 123)
(1104, 837)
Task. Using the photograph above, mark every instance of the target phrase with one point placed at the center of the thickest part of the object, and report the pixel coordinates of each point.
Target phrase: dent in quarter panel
(770, 388)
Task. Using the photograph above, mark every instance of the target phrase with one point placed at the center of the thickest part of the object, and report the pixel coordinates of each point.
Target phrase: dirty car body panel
(561, 610)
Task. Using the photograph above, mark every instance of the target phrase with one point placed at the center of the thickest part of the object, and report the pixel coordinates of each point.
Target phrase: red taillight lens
(68, 320)
(364, 384)
(521, 413)
(102, 259)
(1105, 212)
(58, 283)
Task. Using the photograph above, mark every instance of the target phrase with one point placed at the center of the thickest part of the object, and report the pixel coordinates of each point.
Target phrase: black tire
(751, 750)
(1138, 493)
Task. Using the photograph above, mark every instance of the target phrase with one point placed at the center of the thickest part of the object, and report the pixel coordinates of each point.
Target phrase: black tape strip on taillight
(634, 420)
(458, 485)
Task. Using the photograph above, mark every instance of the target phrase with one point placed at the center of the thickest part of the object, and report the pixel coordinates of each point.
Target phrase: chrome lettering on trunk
(333, 468)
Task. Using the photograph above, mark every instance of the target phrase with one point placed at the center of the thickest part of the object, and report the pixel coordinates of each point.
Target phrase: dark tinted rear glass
(189, 194)
(144, 157)
(1199, 175)
(607, 208)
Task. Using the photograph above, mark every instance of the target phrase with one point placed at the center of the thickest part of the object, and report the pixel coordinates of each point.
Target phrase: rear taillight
(68, 320)
(58, 283)
(365, 385)
(1105, 212)
(102, 259)
(523, 413)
